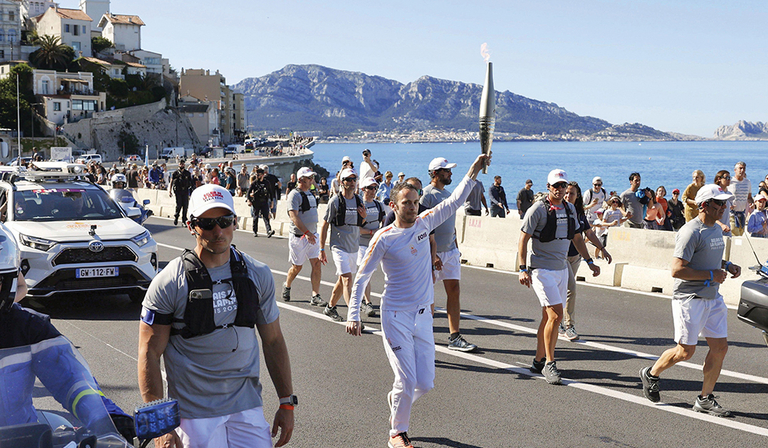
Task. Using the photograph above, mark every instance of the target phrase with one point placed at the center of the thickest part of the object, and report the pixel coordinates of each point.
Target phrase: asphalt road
(483, 399)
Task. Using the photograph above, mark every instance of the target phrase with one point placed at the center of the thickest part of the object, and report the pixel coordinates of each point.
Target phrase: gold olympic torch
(487, 113)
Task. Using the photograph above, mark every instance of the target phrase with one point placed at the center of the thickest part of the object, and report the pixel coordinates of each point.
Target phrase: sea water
(659, 163)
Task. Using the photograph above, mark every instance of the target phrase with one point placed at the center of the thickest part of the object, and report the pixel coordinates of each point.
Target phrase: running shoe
(561, 330)
(570, 333)
(400, 441)
(270, 233)
(367, 309)
(651, 385)
(538, 366)
(710, 406)
(316, 300)
(286, 292)
(460, 344)
(332, 313)
(551, 374)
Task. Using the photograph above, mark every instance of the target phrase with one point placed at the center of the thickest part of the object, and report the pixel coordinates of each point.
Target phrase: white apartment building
(10, 30)
(71, 26)
(95, 9)
(123, 30)
(65, 96)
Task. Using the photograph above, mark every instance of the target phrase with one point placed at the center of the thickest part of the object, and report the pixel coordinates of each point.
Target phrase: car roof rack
(43, 172)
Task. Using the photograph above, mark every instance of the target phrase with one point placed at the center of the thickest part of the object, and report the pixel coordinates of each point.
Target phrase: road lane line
(596, 345)
(59, 322)
(611, 348)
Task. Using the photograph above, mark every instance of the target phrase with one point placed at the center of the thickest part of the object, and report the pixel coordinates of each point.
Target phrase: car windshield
(64, 204)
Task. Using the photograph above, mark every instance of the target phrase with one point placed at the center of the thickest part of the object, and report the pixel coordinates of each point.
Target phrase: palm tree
(52, 53)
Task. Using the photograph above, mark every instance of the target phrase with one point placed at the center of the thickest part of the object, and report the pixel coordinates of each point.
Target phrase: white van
(85, 159)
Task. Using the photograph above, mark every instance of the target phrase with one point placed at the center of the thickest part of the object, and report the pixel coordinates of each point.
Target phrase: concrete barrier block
(490, 242)
(640, 247)
(647, 279)
(610, 274)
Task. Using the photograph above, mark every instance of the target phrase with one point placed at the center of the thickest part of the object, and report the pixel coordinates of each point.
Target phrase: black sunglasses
(349, 179)
(209, 223)
(718, 202)
(370, 187)
(598, 185)
(560, 185)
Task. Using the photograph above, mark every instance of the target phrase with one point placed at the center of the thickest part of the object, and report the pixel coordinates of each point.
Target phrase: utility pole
(18, 117)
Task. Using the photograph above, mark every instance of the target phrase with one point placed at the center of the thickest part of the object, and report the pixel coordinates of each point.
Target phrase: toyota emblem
(95, 246)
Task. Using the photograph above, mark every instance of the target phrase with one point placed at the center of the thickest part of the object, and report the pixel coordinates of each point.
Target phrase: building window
(45, 86)
(66, 27)
(83, 29)
(76, 30)
(11, 36)
(11, 16)
(77, 104)
(2, 34)
(2, 55)
(76, 46)
(57, 106)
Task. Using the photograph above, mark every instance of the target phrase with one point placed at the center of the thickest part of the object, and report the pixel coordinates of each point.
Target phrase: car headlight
(36, 243)
(142, 238)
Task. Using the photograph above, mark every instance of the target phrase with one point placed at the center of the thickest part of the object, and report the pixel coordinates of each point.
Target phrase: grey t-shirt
(474, 200)
(218, 373)
(702, 247)
(445, 233)
(346, 237)
(371, 221)
(632, 204)
(550, 255)
(308, 218)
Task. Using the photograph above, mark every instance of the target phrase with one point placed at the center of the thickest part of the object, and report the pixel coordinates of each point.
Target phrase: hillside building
(10, 30)
(71, 26)
(204, 117)
(65, 96)
(123, 30)
(95, 9)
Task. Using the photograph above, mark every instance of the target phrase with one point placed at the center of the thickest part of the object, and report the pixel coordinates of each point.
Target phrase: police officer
(181, 184)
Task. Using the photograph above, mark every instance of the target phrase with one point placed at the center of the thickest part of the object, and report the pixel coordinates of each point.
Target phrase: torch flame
(484, 52)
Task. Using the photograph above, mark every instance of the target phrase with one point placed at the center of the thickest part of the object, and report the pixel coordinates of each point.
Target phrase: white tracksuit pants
(410, 345)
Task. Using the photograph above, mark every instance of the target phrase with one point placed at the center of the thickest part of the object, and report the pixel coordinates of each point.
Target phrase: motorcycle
(134, 210)
(84, 421)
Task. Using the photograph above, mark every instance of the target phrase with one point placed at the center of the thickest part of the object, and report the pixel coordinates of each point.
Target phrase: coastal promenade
(641, 258)
(487, 399)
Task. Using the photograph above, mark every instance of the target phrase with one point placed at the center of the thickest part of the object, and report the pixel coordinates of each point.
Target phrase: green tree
(8, 98)
(99, 44)
(127, 142)
(52, 54)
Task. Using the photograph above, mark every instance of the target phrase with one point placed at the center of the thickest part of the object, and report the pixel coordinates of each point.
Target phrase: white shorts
(699, 317)
(361, 254)
(551, 287)
(299, 249)
(346, 263)
(451, 265)
(245, 429)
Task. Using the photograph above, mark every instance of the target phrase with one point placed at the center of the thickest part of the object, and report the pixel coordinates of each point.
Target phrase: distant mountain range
(337, 102)
(743, 130)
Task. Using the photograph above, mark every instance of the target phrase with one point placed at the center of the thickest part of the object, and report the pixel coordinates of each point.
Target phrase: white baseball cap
(400, 174)
(556, 176)
(439, 163)
(305, 172)
(368, 181)
(210, 196)
(597, 179)
(345, 159)
(711, 191)
(346, 172)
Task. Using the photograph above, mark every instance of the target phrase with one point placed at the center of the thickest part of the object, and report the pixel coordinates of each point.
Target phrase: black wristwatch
(292, 400)
(523, 268)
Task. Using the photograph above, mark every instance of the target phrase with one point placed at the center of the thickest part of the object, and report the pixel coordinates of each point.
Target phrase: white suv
(73, 237)
(85, 159)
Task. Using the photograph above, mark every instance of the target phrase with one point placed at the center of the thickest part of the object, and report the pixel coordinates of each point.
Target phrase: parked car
(24, 160)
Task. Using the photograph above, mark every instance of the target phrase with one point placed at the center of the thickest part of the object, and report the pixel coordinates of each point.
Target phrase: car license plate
(96, 272)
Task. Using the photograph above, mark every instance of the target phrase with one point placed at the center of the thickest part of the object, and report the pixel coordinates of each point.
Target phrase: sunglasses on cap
(560, 185)
(209, 223)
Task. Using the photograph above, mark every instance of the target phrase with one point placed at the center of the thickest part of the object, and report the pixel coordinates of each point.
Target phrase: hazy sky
(676, 65)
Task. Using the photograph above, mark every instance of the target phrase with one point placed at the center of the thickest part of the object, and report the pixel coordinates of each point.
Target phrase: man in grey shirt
(698, 309)
(632, 204)
(345, 215)
(447, 259)
(552, 223)
(475, 199)
(303, 237)
(206, 337)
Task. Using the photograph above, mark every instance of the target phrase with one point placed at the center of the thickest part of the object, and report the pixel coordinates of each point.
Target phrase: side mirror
(133, 212)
